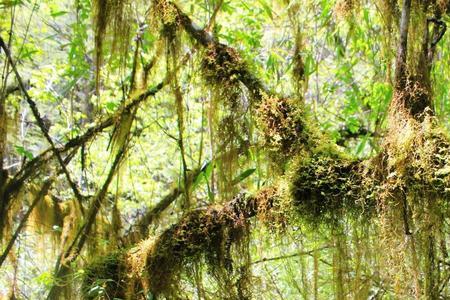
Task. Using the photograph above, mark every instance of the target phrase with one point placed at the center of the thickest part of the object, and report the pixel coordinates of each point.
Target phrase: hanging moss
(112, 23)
(221, 69)
(417, 155)
(201, 234)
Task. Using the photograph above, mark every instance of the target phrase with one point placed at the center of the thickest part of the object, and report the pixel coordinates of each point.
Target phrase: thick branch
(400, 64)
(201, 232)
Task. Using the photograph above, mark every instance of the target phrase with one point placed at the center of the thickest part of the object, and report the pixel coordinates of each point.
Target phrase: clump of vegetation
(205, 234)
(105, 277)
(273, 207)
(324, 188)
(282, 125)
(413, 101)
(417, 158)
(345, 8)
(165, 12)
(221, 65)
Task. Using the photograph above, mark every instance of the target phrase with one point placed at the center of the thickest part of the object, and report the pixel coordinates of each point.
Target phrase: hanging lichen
(202, 234)
(111, 23)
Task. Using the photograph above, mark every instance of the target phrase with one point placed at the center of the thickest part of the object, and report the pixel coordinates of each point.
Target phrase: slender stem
(291, 255)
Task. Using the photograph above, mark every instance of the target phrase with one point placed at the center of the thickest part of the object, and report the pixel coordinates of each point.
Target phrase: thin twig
(290, 255)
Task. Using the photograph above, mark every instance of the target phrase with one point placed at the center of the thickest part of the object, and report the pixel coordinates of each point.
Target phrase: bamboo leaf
(243, 175)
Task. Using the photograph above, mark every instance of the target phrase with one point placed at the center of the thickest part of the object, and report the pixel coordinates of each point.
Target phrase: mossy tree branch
(204, 38)
(325, 185)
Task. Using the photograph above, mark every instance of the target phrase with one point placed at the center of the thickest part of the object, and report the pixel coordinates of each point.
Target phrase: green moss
(106, 277)
(324, 188)
(221, 65)
(202, 235)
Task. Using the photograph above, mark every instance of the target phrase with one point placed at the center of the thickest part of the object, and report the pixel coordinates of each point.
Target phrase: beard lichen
(111, 20)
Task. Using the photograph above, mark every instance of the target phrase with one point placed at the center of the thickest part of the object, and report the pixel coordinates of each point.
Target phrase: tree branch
(301, 253)
(204, 38)
(33, 167)
(62, 267)
(400, 64)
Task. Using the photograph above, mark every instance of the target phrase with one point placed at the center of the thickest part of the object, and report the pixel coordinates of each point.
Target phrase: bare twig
(290, 255)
